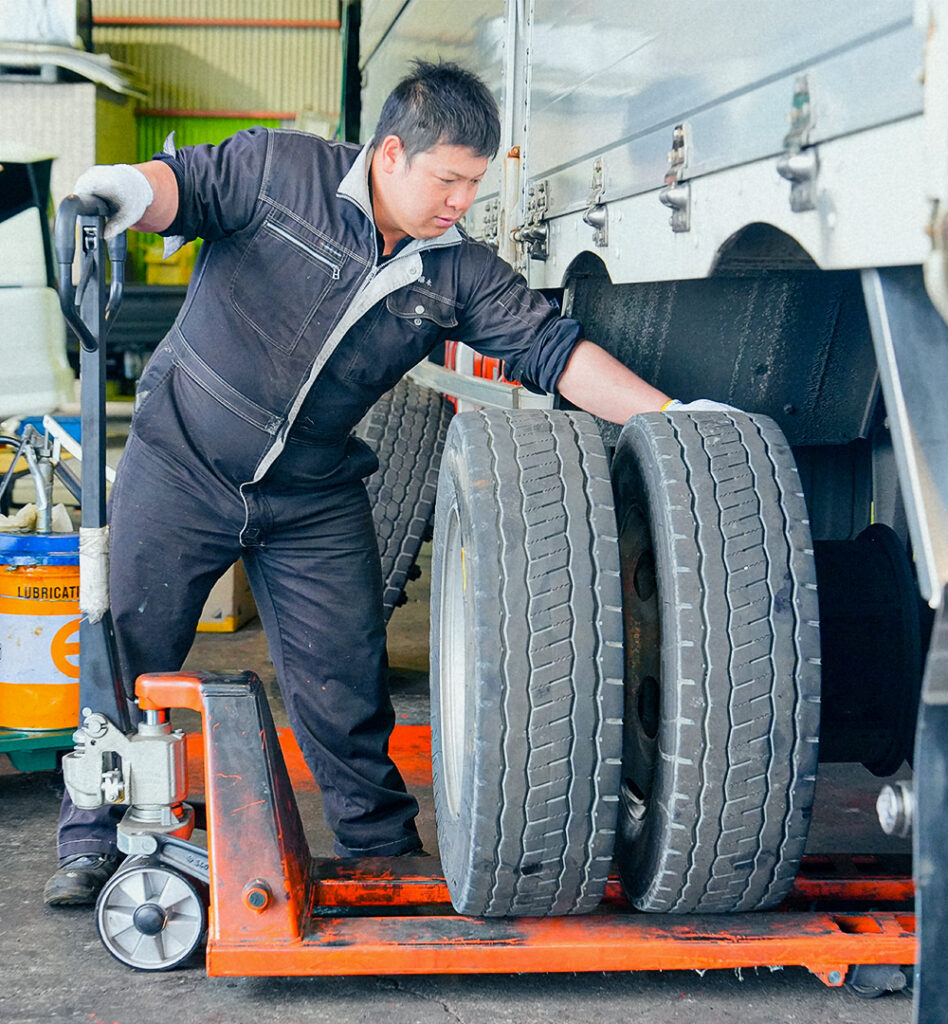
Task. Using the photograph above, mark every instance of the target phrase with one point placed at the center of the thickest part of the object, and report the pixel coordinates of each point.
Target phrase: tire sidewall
(644, 485)
(483, 693)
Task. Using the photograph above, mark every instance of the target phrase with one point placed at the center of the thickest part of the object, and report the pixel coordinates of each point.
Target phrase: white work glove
(124, 186)
(698, 405)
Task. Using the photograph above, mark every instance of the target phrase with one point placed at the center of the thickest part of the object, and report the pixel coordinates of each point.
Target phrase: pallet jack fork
(274, 910)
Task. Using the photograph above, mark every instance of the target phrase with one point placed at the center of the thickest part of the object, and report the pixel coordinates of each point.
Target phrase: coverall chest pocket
(407, 327)
(283, 276)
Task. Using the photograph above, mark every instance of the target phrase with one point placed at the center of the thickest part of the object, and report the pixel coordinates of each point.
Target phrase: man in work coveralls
(328, 271)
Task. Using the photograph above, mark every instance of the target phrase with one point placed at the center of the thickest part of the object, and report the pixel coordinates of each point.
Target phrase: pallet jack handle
(89, 211)
(89, 314)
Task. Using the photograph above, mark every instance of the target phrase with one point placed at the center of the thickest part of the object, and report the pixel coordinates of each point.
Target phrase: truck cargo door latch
(597, 213)
(533, 233)
(491, 223)
(676, 194)
(799, 163)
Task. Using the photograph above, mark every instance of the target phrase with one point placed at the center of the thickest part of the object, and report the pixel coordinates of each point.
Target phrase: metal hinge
(800, 164)
(677, 193)
(597, 213)
(533, 233)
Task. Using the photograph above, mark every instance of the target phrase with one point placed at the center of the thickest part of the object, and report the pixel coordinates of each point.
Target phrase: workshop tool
(89, 311)
(274, 910)
(106, 706)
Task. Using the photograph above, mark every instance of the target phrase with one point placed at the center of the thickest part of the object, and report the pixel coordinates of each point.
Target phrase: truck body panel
(602, 116)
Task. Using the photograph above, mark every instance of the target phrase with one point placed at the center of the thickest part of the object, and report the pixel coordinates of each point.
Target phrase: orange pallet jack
(269, 908)
(274, 910)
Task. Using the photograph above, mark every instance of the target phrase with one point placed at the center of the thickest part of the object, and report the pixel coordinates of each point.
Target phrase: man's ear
(391, 151)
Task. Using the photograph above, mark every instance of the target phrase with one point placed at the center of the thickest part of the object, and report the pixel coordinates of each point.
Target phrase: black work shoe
(80, 878)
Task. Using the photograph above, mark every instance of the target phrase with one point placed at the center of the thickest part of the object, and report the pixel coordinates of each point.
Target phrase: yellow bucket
(39, 631)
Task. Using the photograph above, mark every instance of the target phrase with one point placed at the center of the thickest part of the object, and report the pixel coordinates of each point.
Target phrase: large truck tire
(406, 429)
(722, 663)
(526, 663)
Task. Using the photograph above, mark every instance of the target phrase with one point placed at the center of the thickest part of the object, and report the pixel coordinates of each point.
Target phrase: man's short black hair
(440, 104)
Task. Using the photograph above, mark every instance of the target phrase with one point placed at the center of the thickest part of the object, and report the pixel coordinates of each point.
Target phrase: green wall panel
(188, 131)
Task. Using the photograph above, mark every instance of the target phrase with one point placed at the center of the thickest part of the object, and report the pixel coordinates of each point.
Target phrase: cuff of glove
(698, 405)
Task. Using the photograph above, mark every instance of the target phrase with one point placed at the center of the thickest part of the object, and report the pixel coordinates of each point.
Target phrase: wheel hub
(642, 667)
(149, 918)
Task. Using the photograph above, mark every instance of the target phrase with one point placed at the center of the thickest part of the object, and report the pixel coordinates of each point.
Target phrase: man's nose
(460, 198)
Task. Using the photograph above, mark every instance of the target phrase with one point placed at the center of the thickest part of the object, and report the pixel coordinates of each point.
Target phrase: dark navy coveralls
(240, 445)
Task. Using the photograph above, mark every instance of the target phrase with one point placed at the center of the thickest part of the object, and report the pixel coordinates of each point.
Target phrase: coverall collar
(355, 187)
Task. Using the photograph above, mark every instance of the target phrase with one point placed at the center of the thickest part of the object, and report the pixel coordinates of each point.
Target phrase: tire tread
(547, 823)
(753, 674)
(406, 428)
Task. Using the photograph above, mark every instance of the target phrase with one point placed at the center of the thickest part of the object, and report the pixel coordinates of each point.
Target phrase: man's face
(424, 197)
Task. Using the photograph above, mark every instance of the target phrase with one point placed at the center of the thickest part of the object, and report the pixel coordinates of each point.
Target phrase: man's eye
(446, 181)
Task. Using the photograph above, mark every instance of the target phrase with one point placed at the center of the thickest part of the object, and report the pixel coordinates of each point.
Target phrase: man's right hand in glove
(143, 196)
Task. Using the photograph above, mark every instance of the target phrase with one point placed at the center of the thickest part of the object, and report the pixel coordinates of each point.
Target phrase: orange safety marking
(451, 362)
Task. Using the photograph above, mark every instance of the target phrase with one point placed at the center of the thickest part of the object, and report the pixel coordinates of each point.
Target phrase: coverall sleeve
(218, 186)
(502, 317)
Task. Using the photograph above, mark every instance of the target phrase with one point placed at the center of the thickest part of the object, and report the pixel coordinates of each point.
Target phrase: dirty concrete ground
(53, 968)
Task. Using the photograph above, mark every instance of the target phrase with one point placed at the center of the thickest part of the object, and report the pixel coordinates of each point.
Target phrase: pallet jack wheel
(722, 672)
(526, 665)
(150, 917)
(870, 981)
